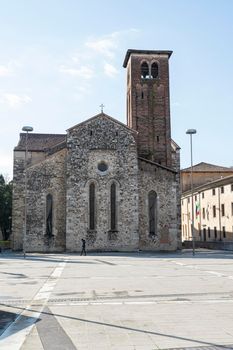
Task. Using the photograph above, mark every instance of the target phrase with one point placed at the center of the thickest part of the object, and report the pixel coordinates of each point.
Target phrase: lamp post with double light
(27, 129)
(191, 132)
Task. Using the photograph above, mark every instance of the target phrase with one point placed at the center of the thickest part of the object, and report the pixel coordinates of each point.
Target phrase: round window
(102, 166)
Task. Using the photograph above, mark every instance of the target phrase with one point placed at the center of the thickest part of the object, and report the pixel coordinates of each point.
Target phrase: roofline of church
(56, 148)
(105, 115)
(175, 144)
(20, 148)
(157, 164)
(145, 52)
(39, 134)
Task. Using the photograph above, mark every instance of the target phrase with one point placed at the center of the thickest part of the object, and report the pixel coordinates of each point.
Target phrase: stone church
(113, 184)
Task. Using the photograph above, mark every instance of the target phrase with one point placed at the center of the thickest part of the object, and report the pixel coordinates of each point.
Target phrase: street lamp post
(27, 129)
(191, 132)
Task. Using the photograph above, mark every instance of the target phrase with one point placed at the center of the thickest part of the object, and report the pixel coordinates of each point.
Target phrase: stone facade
(47, 177)
(37, 146)
(102, 140)
(95, 183)
(163, 182)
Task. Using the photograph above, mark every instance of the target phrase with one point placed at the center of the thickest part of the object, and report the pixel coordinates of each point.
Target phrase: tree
(5, 207)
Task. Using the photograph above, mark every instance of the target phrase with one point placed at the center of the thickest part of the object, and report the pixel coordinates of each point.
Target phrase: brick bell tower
(148, 105)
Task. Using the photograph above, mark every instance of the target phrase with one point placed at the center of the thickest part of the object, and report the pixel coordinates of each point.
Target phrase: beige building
(202, 174)
(213, 211)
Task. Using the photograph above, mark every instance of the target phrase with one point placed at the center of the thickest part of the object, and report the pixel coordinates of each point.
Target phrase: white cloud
(85, 61)
(82, 72)
(80, 56)
(108, 44)
(13, 100)
(105, 45)
(5, 71)
(82, 91)
(110, 70)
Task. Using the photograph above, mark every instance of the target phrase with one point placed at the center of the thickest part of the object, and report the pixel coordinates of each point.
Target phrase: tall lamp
(191, 132)
(27, 129)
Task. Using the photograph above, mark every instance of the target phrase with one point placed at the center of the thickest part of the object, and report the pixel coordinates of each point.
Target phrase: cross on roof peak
(102, 107)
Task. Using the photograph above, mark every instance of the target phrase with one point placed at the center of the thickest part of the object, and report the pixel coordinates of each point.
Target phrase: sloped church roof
(103, 116)
(206, 167)
(43, 142)
(39, 142)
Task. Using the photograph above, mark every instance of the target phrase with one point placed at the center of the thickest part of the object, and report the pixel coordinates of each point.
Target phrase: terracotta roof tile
(205, 167)
(39, 142)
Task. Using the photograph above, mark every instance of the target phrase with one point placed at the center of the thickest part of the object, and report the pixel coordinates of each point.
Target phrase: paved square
(117, 301)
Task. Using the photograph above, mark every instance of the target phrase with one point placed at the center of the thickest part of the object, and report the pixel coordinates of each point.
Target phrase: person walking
(83, 252)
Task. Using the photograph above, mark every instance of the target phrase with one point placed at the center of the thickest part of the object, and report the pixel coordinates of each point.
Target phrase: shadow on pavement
(7, 319)
(199, 342)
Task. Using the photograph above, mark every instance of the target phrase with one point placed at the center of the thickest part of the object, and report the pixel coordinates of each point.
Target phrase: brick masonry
(148, 106)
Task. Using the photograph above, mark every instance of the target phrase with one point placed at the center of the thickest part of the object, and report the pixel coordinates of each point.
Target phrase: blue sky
(59, 60)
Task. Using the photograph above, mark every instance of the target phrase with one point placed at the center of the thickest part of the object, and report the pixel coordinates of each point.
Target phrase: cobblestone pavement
(139, 301)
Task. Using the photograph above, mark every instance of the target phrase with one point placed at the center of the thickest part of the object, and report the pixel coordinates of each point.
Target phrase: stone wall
(176, 167)
(18, 194)
(101, 139)
(47, 177)
(18, 201)
(164, 183)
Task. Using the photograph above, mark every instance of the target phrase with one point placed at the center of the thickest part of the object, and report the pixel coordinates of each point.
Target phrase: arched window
(49, 215)
(144, 71)
(154, 70)
(92, 206)
(152, 201)
(113, 206)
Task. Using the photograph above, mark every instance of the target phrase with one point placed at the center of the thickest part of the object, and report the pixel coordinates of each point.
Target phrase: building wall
(90, 143)
(207, 226)
(200, 178)
(176, 167)
(163, 182)
(67, 175)
(19, 194)
(47, 177)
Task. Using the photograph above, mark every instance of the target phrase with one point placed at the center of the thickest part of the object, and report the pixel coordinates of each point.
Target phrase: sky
(61, 59)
